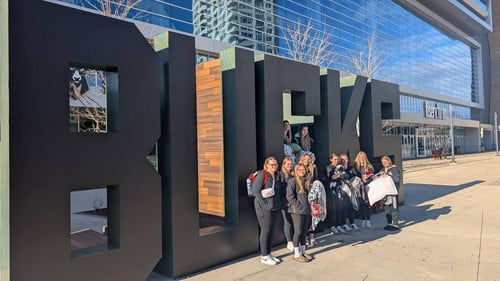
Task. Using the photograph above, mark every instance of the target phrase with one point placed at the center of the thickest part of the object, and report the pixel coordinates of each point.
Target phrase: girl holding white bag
(391, 201)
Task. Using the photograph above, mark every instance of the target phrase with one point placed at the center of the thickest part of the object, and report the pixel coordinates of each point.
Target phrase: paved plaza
(450, 231)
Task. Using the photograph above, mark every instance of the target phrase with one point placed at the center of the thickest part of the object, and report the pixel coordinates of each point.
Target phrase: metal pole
(451, 136)
(496, 132)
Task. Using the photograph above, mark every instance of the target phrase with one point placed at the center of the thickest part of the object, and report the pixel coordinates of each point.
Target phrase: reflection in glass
(87, 100)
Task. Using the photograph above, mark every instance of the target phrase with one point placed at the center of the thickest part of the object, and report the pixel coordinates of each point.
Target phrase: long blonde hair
(366, 166)
(309, 168)
(283, 172)
(298, 179)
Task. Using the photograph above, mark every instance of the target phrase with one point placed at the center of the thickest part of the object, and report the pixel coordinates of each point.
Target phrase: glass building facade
(375, 38)
(407, 50)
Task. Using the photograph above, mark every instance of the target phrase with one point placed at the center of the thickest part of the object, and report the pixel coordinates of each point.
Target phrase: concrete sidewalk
(450, 231)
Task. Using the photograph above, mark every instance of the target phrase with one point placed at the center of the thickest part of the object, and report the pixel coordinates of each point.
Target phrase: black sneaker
(391, 227)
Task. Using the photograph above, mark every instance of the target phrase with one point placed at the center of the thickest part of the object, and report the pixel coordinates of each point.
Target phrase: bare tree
(369, 61)
(307, 44)
(114, 8)
(387, 127)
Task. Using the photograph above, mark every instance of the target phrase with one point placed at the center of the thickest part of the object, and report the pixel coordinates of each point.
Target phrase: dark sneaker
(391, 227)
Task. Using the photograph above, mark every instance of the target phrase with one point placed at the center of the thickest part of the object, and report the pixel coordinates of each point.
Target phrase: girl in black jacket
(365, 172)
(285, 176)
(335, 196)
(300, 211)
(267, 207)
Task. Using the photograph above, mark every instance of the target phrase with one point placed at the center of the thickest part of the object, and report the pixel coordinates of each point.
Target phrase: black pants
(330, 207)
(266, 221)
(287, 225)
(364, 212)
(340, 211)
(299, 229)
(349, 210)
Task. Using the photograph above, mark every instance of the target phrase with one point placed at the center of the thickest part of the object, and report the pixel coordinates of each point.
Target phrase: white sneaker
(267, 260)
(347, 228)
(354, 227)
(277, 260)
(369, 224)
(334, 230)
(340, 229)
(289, 246)
(363, 223)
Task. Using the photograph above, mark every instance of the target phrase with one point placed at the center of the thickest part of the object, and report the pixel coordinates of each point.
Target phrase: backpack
(251, 180)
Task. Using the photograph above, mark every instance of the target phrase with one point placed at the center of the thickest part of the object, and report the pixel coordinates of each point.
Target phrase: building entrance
(420, 146)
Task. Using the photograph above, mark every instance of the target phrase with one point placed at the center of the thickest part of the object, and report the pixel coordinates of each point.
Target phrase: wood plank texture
(210, 138)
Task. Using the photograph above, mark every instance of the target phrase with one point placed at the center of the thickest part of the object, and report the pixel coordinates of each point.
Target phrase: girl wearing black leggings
(300, 211)
(267, 207)
(286, 175)
(364, 170)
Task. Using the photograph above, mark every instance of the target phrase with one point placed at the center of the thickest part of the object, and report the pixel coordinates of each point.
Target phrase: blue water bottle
(249, 187)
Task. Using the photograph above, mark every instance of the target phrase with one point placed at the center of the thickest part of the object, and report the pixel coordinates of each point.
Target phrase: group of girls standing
(346, 192)
(292, 197)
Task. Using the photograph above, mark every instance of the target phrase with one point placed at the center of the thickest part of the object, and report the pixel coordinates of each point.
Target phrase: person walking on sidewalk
(267, 206)
(300, 211)
(391, 201)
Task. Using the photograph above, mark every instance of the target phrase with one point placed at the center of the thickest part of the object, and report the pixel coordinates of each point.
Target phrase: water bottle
(249, 187)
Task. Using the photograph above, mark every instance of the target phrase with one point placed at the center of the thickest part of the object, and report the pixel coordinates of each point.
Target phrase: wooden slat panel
(87, 238)
(210, 150)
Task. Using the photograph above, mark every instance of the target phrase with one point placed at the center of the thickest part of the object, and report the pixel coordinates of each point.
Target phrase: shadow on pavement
(411, 213)
(416, 193)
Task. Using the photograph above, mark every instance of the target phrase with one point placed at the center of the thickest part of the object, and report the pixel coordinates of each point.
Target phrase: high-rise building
(248, 23)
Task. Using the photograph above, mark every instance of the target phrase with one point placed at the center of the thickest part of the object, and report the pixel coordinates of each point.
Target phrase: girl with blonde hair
(300, 211)
(285, 176)
(311, 169)
(364, 169)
